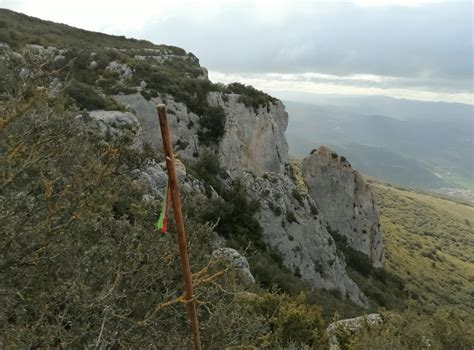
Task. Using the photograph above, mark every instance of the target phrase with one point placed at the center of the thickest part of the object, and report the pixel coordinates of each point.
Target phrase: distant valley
(423, 145)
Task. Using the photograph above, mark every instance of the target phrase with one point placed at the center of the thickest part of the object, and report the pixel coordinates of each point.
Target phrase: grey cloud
(432, 42)
(442, 85)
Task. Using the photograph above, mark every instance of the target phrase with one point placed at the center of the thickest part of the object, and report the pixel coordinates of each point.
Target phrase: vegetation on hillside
(430, 244)
(82, 266)
(89, 85)
(413, 330)
(83, 68)
(383, 288)
(80, 262)
(18, 30)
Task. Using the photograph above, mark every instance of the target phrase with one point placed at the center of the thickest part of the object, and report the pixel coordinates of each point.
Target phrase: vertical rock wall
(346, 202)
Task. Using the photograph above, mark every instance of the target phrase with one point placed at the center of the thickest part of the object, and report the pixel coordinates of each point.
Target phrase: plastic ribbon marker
(162, 222)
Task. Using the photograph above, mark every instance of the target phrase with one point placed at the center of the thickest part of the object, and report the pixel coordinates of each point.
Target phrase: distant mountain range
(419, 144)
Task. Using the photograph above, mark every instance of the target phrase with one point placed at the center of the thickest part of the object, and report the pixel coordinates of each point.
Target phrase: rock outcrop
(346, 202)
(183, 124)
(296, 221)
(237, 261)
(155, 179)
(350, 326)
(124, 71)
(254, 139)
(293, 226)
(254, 149)
(114, 124)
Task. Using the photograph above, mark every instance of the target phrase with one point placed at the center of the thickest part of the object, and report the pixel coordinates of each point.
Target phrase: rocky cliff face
(253, 148)
(293, 225)
(346, 202)
(254, 139)
(183, 124)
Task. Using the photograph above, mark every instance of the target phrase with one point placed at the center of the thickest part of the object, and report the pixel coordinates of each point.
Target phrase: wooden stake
(178, 217)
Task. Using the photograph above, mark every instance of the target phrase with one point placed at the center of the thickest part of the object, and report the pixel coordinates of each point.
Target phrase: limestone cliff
(252, 147)
(254, 139)
(346, 202)
(292, 224)
(183, 124)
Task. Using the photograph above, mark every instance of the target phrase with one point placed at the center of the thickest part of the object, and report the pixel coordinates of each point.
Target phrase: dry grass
(430, 244)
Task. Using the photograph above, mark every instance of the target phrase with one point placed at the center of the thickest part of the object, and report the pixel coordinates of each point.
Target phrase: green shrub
(270, 273)
(292, 321)
(250, 96)
(291, 217)
(234, 214)
(383, 288)
(297, 195)
(86, 97)
(212, 125)
(275, 208)
(207, 169)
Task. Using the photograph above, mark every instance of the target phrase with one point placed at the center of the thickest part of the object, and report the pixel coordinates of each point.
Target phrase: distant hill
(415, 147)
(393, 167)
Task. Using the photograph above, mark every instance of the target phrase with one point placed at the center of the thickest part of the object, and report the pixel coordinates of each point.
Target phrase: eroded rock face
(346, 202)
(254, 148)
(183, 125)
(115, 124)
(155, 178)
(292, 224)
(254, 139)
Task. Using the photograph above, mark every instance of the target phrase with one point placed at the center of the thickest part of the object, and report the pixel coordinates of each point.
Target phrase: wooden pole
(178, 217)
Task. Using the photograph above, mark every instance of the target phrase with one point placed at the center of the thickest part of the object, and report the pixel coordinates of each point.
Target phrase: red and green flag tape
(162, 223)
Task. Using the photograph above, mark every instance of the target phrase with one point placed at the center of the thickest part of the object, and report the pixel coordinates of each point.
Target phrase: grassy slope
(430, 244)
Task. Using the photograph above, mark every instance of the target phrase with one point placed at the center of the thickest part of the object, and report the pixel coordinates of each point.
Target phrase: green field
(429, 243)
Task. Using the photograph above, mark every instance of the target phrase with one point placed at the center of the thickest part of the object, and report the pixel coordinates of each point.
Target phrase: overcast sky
(412, 49)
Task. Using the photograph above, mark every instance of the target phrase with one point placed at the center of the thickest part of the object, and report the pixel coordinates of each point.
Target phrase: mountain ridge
(95, 190)
(242, 126)
(437, 150)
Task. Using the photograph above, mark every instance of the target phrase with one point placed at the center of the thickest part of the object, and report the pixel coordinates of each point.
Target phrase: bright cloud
(327, 84)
